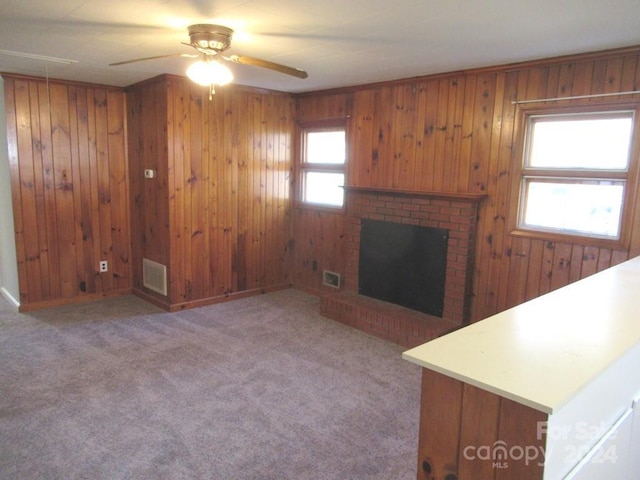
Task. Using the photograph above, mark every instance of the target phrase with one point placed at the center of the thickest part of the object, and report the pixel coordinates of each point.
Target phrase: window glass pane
(324, 188)
(585, 141)
(590, 207)
(325, 147)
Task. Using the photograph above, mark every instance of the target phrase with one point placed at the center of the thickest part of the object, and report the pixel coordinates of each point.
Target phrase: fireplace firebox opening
(403, 264)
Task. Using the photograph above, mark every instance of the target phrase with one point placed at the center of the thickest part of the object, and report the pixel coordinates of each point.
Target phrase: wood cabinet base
(467, 433)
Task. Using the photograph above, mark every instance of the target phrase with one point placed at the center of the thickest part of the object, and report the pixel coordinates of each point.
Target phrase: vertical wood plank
(518, 429)
(590, 261)
(546, 268)
(628, 75)
(382, 142)
(427, 117)
(440, 423)
(42, 104)
(457, 166)
(119, 192)
(484, 96)
(534, 270)
(12, 151)
(519, 260)
(582, 79)
(577, 251)
(440, 137)
(104, 182)
(29, 172)
(84, 178)
(604, 259)
(95, 198)
(240, 260)
(403, 140)
(74, 154)
(20, 139)
(467, 85)
(197, 185)
(361, 148)
(479, 432)
(561, 267)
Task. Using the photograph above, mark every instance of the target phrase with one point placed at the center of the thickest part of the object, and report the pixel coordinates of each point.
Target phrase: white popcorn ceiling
(338, 42)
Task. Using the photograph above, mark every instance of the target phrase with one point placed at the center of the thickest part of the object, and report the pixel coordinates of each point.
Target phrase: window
(322, 165)
(576, 173)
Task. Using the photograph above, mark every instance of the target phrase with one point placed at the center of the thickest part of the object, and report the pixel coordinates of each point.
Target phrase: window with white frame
(322, 165)
(576, 173)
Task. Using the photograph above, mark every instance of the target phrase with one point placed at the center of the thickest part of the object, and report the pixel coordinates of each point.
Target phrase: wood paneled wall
(455, 416)
(319, 234)
(148, 149)
(457, 133)
(69, 189)
(218, 213)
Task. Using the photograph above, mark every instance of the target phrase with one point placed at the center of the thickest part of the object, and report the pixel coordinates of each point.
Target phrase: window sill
(320, 208)
(570, 238)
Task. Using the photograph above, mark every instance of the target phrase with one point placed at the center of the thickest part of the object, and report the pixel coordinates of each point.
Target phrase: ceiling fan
(211, 41)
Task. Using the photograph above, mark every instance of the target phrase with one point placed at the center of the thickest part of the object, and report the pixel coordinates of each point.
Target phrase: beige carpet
(259, 388)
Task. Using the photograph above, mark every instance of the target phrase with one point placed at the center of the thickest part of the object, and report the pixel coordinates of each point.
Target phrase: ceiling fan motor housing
(210, 37)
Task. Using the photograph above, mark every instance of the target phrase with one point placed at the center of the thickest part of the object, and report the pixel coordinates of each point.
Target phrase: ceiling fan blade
(295, 72)
(186, 55)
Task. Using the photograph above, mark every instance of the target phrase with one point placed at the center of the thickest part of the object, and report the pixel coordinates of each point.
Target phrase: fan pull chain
(212, 92)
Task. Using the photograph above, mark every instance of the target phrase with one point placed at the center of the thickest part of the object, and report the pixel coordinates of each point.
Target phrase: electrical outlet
(104, 266)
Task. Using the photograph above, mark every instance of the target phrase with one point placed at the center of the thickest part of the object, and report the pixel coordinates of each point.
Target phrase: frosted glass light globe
(208, 73)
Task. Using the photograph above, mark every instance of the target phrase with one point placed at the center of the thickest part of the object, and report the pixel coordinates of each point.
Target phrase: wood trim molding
(469, 197)
(57, 81)
(76, 300)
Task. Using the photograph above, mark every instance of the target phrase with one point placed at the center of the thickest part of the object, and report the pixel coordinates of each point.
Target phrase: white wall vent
(331, 279)
(154, 276)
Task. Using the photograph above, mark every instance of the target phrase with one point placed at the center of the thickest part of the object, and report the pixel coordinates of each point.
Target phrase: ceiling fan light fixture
(211, 41)
(209, 72)
(207, 37)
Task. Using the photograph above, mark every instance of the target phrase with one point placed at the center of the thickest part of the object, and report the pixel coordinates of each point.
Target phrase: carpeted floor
(259, 388)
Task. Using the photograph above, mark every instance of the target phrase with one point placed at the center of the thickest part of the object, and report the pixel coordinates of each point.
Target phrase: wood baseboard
(175, 307)
(28, 307)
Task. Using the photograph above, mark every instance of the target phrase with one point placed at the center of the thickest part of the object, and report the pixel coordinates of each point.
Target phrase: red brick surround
(455, 212)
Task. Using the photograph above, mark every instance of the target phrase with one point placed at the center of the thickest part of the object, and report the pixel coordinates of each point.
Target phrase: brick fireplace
(457, 213)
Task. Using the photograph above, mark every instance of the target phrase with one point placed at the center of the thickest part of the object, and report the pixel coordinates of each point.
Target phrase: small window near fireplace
(403, 264)
(323, 157)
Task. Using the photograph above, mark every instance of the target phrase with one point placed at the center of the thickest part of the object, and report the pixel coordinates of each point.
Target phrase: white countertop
(543, 352)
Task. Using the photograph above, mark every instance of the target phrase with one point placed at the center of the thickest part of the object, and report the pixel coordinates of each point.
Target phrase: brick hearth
(454, 212)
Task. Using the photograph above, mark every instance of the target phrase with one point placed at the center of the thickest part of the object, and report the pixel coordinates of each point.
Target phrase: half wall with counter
(545, 390)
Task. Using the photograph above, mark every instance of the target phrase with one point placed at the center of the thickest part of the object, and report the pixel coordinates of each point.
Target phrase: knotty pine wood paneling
(456, 133)
(459, 423)
(218, 214)
(69, 188)
(319, 234)
(147, 147)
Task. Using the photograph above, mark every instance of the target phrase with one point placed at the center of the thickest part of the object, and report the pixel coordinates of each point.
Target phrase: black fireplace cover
(403, 264)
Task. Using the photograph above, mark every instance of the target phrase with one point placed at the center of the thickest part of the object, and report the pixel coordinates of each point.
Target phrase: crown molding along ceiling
(337, 43)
